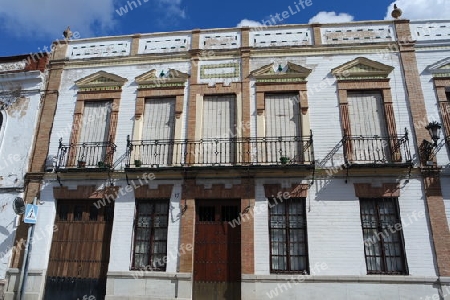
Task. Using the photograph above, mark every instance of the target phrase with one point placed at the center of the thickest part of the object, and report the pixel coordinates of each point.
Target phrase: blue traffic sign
(31, 212)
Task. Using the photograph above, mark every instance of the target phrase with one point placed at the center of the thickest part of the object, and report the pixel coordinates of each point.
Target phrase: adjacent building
(291, 161)
(22, 83)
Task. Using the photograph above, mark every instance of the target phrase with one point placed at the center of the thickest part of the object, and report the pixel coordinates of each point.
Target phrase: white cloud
(330, 17)
(172, 8)
(51, 17)
(249, 23)
(421, 9)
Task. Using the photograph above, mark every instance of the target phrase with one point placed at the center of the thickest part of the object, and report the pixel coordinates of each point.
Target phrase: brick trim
(145, 192)
(218, 191)
(82, 97)
(438, 222)
(366, 190)
(143, 94)
(295, 191)
(193, 191)
(381, 85)
(84, 192)
(298, 87)
(200, 90)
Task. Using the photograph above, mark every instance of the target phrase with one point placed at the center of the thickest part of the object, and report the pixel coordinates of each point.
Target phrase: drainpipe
(24, 269)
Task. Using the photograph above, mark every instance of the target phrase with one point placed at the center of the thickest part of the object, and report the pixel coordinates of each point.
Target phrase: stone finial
(67, 33)
(397, 12)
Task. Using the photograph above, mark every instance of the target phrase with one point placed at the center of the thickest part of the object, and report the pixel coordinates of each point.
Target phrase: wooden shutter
(368, 127)
(218, 127)
(282, 115)
(366, 114)
(96, 119)
(219, 116)
(282, 128)
(159, 119)
(159, 128)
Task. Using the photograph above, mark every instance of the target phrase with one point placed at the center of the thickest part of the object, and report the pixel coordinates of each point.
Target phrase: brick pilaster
(438, 222)
(317, 41)
(187, 236)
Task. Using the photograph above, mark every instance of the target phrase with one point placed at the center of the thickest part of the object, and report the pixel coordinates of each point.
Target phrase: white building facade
(22, 81)
(245, 163)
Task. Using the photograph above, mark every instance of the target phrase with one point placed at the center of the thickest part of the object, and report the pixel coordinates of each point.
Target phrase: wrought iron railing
(221, 152)
(376, 150)
(85, 155)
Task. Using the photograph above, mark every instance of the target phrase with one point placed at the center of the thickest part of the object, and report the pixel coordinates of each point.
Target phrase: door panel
(217, 255)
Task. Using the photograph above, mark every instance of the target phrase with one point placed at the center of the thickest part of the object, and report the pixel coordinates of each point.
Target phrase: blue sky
(30, 25)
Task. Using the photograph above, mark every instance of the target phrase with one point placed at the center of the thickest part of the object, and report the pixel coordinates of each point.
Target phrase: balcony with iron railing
(220, 152)
(85, 156)
(377, 151)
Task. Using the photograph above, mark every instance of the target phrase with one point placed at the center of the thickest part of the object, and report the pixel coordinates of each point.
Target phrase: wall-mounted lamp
(434, 129)
(427, 148)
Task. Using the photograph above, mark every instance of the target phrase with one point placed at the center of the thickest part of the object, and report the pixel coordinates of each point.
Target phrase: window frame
(287, 239)
(381, 240)
(151, 240)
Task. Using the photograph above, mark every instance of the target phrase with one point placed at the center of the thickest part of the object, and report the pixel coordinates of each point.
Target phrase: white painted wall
(426, 58)
(16, 137)
(334, 227)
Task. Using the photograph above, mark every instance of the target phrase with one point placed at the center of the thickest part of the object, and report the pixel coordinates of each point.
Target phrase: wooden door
(217, 251)
(79, 255)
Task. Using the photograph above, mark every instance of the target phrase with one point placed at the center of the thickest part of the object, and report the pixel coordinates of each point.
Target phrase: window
(368, 126)
(366, 113)
(288, 236)
(150, 240)
(93, 142)
(159, 119)
(282, 115)
(219, 126)
(96, 119)
(282, 128)
(383, 236)
(158, 129)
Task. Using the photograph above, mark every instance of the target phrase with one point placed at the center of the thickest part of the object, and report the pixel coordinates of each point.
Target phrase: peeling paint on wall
(19, 108)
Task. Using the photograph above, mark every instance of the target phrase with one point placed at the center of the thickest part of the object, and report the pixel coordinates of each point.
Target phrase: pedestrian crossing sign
(31, 212)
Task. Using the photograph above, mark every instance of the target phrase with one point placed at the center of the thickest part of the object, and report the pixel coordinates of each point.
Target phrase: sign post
(30, 217)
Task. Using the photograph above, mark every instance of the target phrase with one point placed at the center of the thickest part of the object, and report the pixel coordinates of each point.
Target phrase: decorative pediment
(289, 73)
(151, 79)
(101, 81)
(441, 68)
(362, 68)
